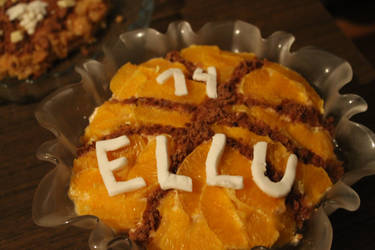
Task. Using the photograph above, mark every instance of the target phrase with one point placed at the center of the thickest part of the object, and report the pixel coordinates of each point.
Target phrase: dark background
(356, 19)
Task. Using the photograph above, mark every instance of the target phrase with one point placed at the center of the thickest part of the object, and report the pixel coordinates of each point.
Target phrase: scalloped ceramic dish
(136, 14)
(66, 113)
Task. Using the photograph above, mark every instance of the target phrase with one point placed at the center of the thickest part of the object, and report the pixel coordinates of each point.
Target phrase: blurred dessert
(175, 156)
(35, 33)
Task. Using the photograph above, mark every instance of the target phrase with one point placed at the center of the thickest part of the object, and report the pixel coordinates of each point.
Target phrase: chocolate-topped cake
(35, 33)
(206, 149)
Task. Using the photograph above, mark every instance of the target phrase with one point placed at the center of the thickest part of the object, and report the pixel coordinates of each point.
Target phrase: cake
(36, 33)
(206, 149)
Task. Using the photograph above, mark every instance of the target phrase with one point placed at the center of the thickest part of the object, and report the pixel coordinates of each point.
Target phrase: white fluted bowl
(66, 112)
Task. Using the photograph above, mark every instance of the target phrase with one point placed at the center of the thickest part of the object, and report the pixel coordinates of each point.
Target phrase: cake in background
(36, 33)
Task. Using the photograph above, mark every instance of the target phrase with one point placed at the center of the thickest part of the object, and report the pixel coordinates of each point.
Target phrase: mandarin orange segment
(240, 134)
(178, 231)
(124, 83)
(168, 235)
(85, 161)
(199, 231)
(318, 102)
(222, 217)
(145, 165)
(264, 85)
(194, 167)
(196, 90)
(233, 163)
(87, 182)
(146, 115)
(261, 230)
(131, 152)
(108, 118)
(90, 196)
(206, 56)
(317, 140)
(286, 226)
(308, 176)
(285, 71)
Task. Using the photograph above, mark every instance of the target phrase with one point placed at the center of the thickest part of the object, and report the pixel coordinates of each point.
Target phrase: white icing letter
(166, 179)
(212, 162)
(258, 168)
(180, 88)
(209, 78)
(107, 167)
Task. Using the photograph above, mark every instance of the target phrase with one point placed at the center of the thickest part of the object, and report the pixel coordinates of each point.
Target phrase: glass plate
(137, 14)
(326, 72)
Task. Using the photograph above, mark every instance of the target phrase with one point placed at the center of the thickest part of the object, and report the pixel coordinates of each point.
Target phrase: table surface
(20, 134)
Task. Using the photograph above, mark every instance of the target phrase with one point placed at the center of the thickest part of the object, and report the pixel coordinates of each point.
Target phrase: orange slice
(178, 231)
(140, 81)
(147, 115)
(234, 163)
(222, 218)
(261, 230)
(88, 192)
(131, 152)
(196, 90)
(194, 166)
(307, 178)
(145, 165)
(110, 116)
(206, 56)
(90, 196)
(264, 85)
(124, 82)
(286, 225)
(240, 134)
(318, 102)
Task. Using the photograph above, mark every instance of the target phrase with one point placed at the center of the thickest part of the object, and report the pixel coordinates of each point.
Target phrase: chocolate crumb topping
(245, 150)
(301, 211)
